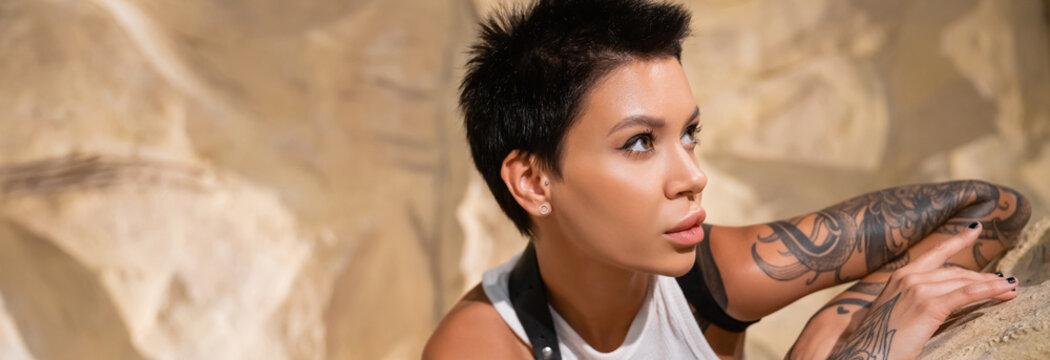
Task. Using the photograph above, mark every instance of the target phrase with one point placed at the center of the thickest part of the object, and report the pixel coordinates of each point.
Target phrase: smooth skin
(628, 176)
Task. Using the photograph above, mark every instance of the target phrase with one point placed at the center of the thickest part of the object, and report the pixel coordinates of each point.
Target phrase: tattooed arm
(916, 300)
(765, 267)
(830, 326)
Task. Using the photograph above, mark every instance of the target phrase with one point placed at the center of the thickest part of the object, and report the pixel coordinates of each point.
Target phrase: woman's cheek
(617, 196)
(633, 197)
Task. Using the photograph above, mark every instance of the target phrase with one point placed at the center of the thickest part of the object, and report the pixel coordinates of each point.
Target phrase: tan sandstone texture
(1017, 329)
(266, 179)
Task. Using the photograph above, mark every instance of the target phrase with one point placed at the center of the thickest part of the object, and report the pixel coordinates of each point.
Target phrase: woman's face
(630, 180)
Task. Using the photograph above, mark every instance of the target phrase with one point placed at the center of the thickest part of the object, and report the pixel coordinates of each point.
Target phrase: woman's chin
(674, 265)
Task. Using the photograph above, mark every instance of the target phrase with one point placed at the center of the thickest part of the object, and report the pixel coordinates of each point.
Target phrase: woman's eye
(639, 143)
(687, 139)
(690, 137)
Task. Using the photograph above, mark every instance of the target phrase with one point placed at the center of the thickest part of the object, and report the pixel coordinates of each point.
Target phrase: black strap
(528, 296)
(696, 290)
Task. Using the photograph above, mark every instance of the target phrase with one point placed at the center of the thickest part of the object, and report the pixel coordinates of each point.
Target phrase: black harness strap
(528, 296)
(698, 293)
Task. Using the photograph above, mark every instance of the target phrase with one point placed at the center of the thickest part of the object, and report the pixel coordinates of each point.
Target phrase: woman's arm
(917, 299)
(830, 326)
(473, 329)
(767, 266)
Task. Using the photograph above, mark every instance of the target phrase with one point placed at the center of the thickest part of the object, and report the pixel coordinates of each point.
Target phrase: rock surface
(1016, 329)
(289, 179)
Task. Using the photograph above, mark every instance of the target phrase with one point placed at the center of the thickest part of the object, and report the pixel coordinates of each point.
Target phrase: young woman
(582, 123)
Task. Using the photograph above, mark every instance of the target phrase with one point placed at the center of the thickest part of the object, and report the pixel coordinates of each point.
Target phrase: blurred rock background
(274, 179)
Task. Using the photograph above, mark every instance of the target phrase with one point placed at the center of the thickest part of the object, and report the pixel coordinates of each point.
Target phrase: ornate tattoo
(873, 338)
(867, 288)
(840, 308)
(872, 289)
(881, 225)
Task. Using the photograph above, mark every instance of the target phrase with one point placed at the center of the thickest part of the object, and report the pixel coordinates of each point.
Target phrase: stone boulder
(1016, 329)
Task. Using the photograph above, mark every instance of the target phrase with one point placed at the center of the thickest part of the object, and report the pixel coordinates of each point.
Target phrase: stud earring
(545, 209)
(546, 182)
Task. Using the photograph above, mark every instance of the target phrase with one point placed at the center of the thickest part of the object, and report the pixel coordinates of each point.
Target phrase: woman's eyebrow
(694, 118)
(637, 120)
(648, 121)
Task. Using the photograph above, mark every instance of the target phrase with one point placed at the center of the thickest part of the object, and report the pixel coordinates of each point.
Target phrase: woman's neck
(597, 299)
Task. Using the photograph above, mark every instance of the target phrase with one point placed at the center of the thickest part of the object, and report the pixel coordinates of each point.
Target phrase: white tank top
(664, 327)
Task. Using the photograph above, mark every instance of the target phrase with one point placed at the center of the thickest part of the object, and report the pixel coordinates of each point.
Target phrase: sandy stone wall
(289, 179)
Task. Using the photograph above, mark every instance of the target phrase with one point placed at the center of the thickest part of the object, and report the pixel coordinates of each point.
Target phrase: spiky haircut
(532, 66)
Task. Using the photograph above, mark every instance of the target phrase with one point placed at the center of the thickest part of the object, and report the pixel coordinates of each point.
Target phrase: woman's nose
(684, 175)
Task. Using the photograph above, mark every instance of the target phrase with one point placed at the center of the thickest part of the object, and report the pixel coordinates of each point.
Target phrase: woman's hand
(918, 298)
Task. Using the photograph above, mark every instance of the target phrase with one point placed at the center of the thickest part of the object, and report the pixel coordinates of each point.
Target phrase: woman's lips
(686, 238)
(688, 232)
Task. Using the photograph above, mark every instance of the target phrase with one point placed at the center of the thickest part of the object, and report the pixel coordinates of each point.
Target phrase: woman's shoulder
(474, 329)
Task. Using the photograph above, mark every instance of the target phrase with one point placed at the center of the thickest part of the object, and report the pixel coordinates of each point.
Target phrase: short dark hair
(531, 67)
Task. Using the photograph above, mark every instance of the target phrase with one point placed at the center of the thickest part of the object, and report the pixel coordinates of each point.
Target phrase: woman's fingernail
(973, 225)
(1011, 279)
(999, 274)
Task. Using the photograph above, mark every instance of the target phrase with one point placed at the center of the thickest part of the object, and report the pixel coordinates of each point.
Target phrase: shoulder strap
(698, 293)
(528, 296)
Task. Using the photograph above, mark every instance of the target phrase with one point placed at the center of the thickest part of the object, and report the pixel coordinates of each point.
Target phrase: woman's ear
(527, 181)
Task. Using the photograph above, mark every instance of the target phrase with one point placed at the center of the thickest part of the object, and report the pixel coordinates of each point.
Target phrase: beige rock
(836, 100)
(724, 188)
(759, 71)
(11, 345)
(294, 100)
(1036, 173)
(154, 251)
(1016, 329)
(488, 237)
(1029, 259)
(275, 179)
